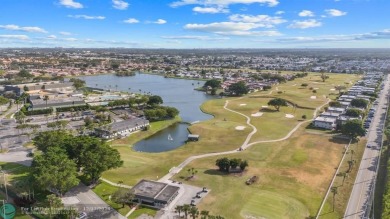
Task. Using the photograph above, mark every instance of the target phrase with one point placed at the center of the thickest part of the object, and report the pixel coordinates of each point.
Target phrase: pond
(177, 93)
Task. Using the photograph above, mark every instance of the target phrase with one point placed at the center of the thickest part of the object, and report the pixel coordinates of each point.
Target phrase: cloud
(120, 5)
(18, 37)
(384, 34)
(131, 21)
(305, 24)
(25, 29)
(204, 38)
(306, 13)
(222, 3)
(261, 20)
(65, 33)
(279, 12)
(87, 17)
(335, 13)
(160, 21)
(70, 39)
(210, 10)
(71, 4)
(51, 37)
(231, 28)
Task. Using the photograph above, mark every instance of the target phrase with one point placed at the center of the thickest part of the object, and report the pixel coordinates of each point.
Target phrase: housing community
(337, 114)
(55, 97)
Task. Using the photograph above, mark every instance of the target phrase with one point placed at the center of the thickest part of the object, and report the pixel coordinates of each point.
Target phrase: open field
(294, 174)
(104, 191)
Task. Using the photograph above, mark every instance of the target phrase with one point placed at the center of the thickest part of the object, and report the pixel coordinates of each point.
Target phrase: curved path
(245, 145)
(173, 171)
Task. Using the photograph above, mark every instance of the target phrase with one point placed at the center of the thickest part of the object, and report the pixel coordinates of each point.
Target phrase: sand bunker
(313, 97)
(243, 104)
(332, 89)
(258, 114)
(289, 116)
(264, 106)
(316, 88)
(240, 128)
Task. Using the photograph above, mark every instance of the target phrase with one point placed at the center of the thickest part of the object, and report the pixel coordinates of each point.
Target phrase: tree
(304, 85)
(46, 98)
(277, 103)
(238, 88)
(20, 117)
(234, 163)
(339, 88)
(194, 212)
(179, 209)
(213, 83)
(54, 203)
(123, 196)
(323, 75)
(360, 103)
(25, 74)
(334, 192)
(155, 100)
(77, 83)
(243, 164)
(54, 170)
(334, 104)
(223, 164)
(204, 214)
(353, 128)
(45, 140)
(97, 158)
(186, 210)
(353, 112)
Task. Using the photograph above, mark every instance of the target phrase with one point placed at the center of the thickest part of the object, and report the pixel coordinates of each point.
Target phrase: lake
(178, 93)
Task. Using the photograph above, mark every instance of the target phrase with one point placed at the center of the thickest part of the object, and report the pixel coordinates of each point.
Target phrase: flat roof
(148, 188)
(167, 193)
(155, 190)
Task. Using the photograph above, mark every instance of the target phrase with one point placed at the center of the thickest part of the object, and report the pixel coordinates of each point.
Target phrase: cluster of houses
(334, 117)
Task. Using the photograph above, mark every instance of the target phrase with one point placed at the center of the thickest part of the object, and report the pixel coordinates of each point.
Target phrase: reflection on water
(178, 93)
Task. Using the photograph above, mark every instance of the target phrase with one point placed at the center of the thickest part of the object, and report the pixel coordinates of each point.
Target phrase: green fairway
(294, 173)
(273, 205)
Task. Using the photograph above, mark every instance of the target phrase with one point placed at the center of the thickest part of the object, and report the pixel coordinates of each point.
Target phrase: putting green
(269, 205)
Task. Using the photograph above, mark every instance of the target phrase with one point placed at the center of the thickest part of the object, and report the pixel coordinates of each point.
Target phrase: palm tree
(194, 212)
(186, 209)
(46, 98)
(17, 102)
(352, 152)
(334, 191)
(179, 209)
(204, 214)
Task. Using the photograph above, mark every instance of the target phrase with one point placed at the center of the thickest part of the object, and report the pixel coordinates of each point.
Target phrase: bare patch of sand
(240, 128)
(316, 88)
(243, 104)
(264, 106)
(313, 97)
(289, 116)
(258, 114)
(332, 89)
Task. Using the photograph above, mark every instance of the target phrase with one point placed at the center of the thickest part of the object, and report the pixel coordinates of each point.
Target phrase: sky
(195, 23)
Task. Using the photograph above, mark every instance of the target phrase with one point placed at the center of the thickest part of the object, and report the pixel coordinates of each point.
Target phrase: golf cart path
(173, 171)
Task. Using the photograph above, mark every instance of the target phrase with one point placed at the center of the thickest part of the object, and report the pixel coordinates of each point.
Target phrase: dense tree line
(161, 113)
(65, 156)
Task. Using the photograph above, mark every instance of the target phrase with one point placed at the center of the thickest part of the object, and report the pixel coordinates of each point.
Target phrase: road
(359, 200)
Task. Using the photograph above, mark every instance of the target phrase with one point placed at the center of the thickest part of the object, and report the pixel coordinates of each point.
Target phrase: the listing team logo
(7, 211)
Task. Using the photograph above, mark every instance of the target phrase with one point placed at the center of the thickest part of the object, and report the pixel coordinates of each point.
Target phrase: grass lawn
(104, 190)
(294, 174)
(143, 210)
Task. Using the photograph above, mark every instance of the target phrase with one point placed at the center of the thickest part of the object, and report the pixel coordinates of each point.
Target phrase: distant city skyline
(195, 23)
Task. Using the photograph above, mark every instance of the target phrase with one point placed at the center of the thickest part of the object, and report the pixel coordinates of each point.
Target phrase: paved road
(364, 182)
